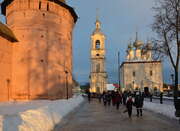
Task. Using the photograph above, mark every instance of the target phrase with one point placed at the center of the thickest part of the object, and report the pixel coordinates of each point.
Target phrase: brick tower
(42, 59)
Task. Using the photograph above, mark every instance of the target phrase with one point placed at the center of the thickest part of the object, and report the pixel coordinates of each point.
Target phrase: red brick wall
(44, 50)
(5, 69)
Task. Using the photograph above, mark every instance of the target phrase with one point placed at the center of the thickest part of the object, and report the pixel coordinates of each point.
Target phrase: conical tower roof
(64, 1)
(137, 43)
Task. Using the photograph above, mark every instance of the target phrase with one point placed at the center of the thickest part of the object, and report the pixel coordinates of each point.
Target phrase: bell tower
(98, 75)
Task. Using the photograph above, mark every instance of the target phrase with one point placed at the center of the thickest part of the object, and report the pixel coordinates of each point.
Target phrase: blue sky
(120, 19)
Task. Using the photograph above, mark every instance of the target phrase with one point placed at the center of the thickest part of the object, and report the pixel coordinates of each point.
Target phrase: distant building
(36, 50)
(140, 72)
(98, 75)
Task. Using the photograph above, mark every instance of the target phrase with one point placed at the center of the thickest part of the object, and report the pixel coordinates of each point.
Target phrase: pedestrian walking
(124, 96)
(108, 99)
(113, 95)
(129, 105)
(105, 98)
(89, 96)
(150, 97)
(139, 99)
(100, 97)
(161, 98)
(118, 99)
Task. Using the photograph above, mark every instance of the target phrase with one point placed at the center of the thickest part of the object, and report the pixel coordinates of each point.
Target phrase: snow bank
(42, 116)
(166, 110)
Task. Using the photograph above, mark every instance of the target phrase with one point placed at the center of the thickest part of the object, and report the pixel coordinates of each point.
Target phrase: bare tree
(167, 26)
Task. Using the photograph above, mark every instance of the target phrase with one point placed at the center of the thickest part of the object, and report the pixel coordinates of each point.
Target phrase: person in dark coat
(118, 99)
(100, 97)
(161, 98)
(129, 104)
(105, 98)
(124, 96)
(139, 99)
(150, 97)
(89, 96)
(113, 95)
(108, 99)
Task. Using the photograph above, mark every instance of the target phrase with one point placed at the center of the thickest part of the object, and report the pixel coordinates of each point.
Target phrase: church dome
(98, 28)
(98, 31)
(138, 44)
(130, 46)
(149, 45)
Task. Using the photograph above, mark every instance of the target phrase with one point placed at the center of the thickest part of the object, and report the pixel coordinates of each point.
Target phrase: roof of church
(139, 62)
(7, 33)
(97, 30)
(5, 3)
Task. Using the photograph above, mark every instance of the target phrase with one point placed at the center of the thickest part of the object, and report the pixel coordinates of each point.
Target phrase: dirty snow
(164, 109)
(41, 115)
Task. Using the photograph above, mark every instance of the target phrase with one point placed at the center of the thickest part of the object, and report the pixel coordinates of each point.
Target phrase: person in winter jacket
(113, 95)
(105, 98)
(139, 99)
(129, 104)
(118, 99)
(108, 99)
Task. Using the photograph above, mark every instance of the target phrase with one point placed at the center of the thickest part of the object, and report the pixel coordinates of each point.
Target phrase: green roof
(7, 33)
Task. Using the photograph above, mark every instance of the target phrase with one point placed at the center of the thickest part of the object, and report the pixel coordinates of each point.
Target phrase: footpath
(95, 117)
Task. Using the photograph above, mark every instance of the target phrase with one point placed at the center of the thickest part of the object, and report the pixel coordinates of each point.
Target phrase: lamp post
(119, 70)
(172, 77)
(67, 91)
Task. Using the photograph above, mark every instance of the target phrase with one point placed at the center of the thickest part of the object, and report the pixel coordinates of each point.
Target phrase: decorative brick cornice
(5, 3)
(139, 62)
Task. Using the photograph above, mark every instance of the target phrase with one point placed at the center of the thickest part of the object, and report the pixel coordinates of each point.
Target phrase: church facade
(98, 75)
(140, 72)
(36, 50)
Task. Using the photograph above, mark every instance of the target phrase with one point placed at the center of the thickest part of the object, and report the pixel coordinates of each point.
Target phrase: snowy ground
(164, 109)
(40, 115)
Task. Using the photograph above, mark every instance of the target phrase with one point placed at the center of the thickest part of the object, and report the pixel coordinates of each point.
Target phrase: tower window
(97, 54)
(97, 44)
(98, 67)
(134, 73)
(151, 73)
(47, 6)
(39, 4)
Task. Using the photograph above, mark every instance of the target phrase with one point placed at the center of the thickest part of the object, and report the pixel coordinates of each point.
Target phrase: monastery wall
(5, 66)
(44, 51)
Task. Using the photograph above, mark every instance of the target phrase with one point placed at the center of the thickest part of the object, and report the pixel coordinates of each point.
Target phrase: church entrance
(97, 89)
(146, 91)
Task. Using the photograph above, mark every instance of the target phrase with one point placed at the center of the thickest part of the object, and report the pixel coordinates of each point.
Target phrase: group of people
(128, 99)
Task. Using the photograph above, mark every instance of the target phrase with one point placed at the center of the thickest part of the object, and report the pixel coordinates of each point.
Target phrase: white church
(139, 72)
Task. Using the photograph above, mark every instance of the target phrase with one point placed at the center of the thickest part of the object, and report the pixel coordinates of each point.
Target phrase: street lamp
(67, 91)
(119, 70)
(172, 77)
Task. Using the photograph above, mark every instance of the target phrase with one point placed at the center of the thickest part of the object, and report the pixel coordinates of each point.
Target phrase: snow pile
(42, 116)
(166, 110)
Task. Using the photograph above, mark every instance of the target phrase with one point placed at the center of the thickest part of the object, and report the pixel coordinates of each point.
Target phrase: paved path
(165, 101)
(95, 117)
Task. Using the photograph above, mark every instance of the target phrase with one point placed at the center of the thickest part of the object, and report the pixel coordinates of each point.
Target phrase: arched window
(98, 44)
(47, 6)
(98, 67)
(39, 4)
